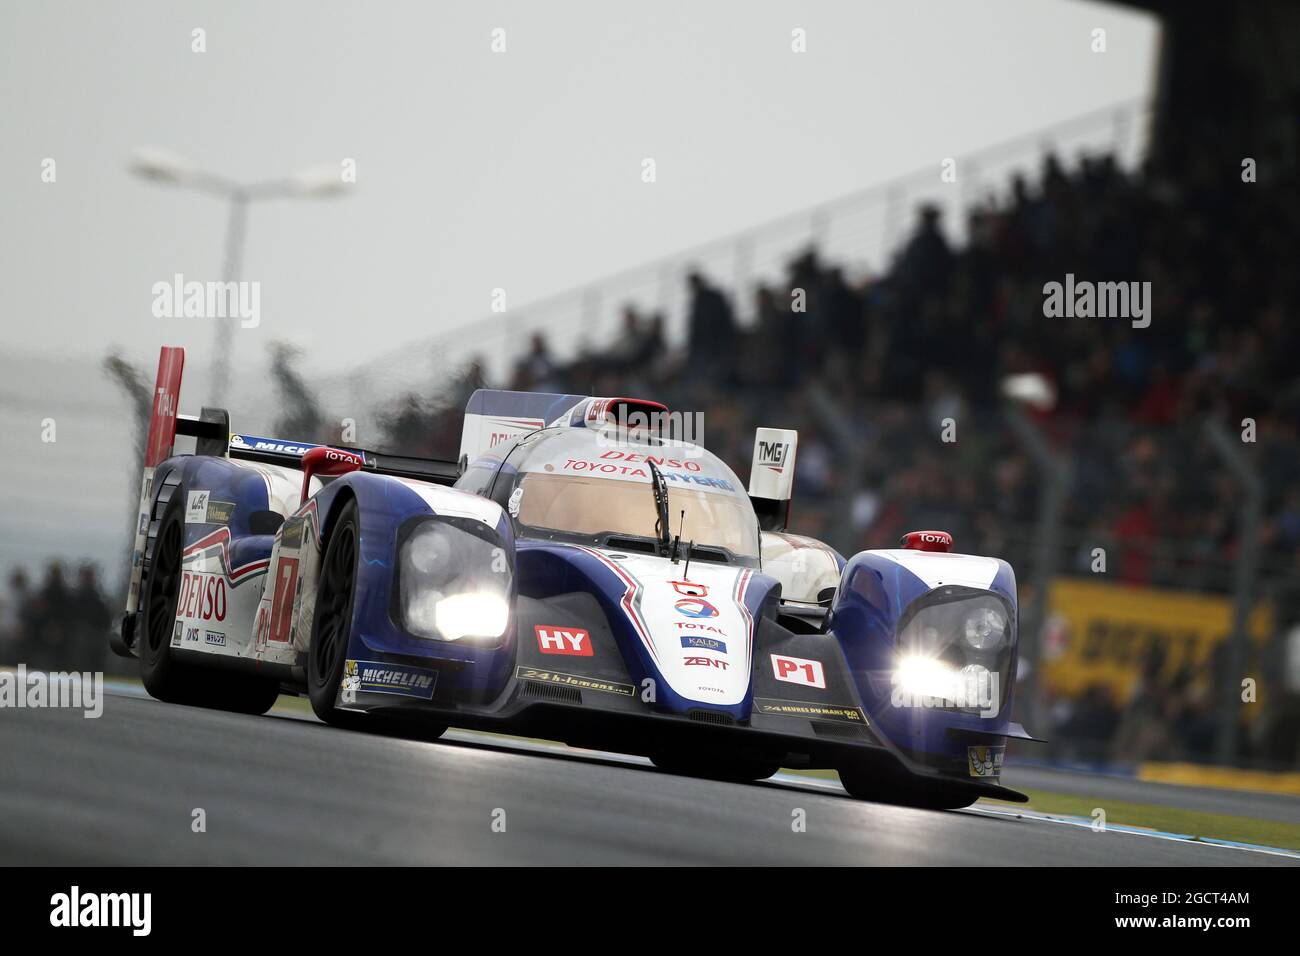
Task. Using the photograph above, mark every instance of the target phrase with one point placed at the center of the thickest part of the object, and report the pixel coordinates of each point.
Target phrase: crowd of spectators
(934, 337)
(58, 624)
(869, 371)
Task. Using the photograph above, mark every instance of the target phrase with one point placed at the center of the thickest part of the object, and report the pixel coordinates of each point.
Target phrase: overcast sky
(518, 170)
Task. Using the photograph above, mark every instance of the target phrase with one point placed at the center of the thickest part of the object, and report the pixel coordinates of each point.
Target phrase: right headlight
(454, 582)
(955, 645)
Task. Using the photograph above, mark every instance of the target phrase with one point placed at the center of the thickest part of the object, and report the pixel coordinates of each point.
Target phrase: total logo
(570, 641)
(696, 608)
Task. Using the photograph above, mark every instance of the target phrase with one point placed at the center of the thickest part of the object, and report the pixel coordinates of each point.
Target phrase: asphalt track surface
(283, 789)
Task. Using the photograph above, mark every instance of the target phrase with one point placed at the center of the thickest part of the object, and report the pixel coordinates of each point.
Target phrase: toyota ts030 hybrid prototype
(575, 575)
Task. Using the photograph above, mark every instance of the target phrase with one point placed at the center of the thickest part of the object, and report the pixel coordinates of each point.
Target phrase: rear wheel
(868, 783)
(163, 676)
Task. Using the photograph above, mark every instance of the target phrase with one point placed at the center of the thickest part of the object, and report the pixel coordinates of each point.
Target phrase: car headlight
(955, 645)
(926, 681)
(985, 628)
(922, 676)
(454, 581)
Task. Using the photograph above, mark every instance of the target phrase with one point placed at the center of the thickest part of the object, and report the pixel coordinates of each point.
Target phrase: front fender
(878, 591)
(385, 505)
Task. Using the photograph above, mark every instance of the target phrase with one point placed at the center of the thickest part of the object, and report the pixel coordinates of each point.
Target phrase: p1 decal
(696, 607)
(572, 641)
(799, 670)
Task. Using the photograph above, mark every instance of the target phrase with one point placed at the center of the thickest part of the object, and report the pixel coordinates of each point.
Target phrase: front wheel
(331, 627)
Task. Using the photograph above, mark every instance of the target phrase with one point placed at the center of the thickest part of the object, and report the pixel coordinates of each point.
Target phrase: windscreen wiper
(662, 531)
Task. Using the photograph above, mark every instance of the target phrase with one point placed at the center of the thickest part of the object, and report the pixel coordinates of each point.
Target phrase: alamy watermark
(179, 299)
(21, 688)
(972, 688)
(77, 909)
(1102, 300)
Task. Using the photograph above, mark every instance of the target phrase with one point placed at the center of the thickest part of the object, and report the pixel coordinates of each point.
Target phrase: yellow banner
(1104, 633)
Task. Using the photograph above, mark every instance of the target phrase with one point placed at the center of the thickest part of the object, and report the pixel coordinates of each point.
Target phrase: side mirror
(327, 461)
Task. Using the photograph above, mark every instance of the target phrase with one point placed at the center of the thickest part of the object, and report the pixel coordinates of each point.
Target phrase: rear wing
(281, 451)
(210, 431)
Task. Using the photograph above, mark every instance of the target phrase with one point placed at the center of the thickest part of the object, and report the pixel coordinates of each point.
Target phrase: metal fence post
(1243, 584)
(1047, 543)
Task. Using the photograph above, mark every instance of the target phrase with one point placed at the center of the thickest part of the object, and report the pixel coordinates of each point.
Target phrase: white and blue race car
(575, 575)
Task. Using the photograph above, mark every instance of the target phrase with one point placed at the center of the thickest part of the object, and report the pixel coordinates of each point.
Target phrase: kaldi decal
(691, 642)
(799, 670)
(705, 662)
(570, 641)
(202, 596)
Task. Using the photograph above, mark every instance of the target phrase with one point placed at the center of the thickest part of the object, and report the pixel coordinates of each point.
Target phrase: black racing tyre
(163, 677)
(166, 678)
(331, 626)
(715, 767)
(868, 783)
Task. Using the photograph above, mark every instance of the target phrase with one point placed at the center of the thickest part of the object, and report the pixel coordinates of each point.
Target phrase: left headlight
(454, 582)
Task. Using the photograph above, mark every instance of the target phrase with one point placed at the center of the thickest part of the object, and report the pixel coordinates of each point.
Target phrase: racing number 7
(286, 582)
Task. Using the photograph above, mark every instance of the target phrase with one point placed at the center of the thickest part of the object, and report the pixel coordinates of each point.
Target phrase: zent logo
(705, 662)
(696, 607)
(572, 642)
(799, 670)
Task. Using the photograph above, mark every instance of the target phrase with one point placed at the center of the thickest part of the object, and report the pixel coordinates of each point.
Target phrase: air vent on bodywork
(557, 695)
(827, 728)
(711, 717)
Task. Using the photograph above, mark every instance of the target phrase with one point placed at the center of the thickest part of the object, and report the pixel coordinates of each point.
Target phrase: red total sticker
(570, 641)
